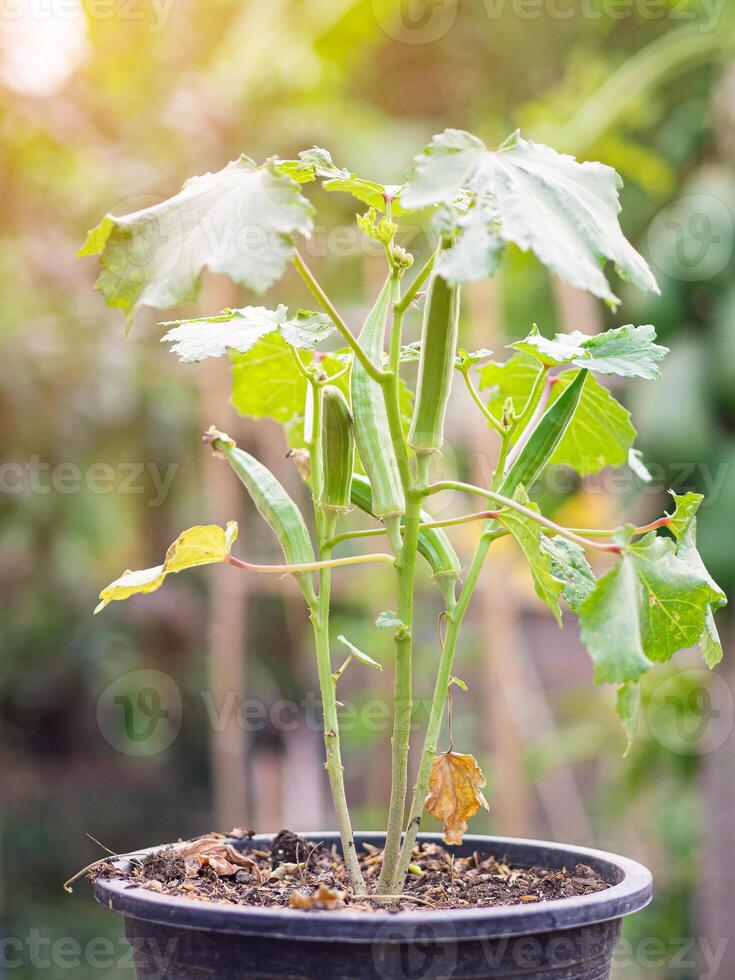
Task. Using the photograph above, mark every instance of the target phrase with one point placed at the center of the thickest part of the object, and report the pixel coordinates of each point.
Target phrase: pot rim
(631, 890)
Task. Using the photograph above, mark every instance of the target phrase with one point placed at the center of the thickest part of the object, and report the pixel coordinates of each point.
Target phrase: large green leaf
(564, 211)
(569, 564)
(239, 330)
(684, 528)
(240, 221)
(650, 604)
(600, 433)
(626, 351)
(529, 535)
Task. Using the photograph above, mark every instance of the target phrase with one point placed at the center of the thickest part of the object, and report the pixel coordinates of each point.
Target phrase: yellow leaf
(455, 793)
(201, 545)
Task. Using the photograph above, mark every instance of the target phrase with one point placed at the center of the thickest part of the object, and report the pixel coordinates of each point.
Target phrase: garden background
(195, 709)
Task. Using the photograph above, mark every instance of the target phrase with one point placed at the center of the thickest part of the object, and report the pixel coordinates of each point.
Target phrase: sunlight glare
(40, 47)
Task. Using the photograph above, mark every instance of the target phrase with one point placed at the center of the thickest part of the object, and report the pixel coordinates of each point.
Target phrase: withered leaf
(213, 852)
(323, 898)
(455, 793)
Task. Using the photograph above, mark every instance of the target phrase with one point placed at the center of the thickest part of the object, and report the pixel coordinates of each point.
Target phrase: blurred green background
(110, 105)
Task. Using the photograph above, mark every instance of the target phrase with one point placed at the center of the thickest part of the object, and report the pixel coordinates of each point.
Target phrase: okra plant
(364, 442)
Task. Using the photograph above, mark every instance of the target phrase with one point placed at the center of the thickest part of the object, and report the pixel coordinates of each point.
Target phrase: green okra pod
(436, 365)
(372, 431)
(274, 504)
(544, 439)
(337, 450)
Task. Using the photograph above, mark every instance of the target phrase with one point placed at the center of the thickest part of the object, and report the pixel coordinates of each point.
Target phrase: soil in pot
(298, 874)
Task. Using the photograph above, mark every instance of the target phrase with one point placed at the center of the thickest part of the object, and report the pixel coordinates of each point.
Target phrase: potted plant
(365, 442)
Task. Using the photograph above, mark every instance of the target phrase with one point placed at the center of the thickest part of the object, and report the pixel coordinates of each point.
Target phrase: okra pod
(337, 450)
(434, 544)
(539, 449)
(274, 505)
(436, 365)
(372, 431)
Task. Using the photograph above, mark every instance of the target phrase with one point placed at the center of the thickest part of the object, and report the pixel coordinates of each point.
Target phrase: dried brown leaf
(323, 898)
(455, 793)
(222, 858)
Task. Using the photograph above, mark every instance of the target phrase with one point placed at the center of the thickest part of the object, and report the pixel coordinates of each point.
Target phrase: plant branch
(326, 521)
(525, 511)
(495, 423)
(312, 566)
(327, 305)
(454, 619)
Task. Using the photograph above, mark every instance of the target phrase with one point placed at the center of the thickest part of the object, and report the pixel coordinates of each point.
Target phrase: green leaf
(201, 545)
(266, 383)
(561, 350)
(388, 620)
(628, 707)
(649, 605)
(684, 527)
(600, 433)
(466, 359)
(564, 211)
(239, 330)
(369, 192)
(309, 165)
(239, 221)
(359, 655)
(529, 535)
(626, 351)
(569, 563)
(477, 251)
(685, 509)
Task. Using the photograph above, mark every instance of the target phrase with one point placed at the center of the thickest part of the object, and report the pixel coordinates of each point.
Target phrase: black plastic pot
(571, 939)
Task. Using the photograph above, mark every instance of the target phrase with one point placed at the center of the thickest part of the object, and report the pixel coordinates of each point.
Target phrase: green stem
(521, 509)
(405, 570)
(403, 696)
(495, 423)
(327, 305)
(312, 566)
(482, 515)
(328, 688)
(455, 618)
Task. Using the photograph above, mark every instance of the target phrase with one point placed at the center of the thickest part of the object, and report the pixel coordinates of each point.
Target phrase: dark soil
(295, 873)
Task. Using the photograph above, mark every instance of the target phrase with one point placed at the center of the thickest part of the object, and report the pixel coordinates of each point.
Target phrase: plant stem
(455, 618)
(405, 570)
(482, 515)
(327, 686)
(403, 695)
(525, 511)
(327, 305)
(495, 423)
(312, 566)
